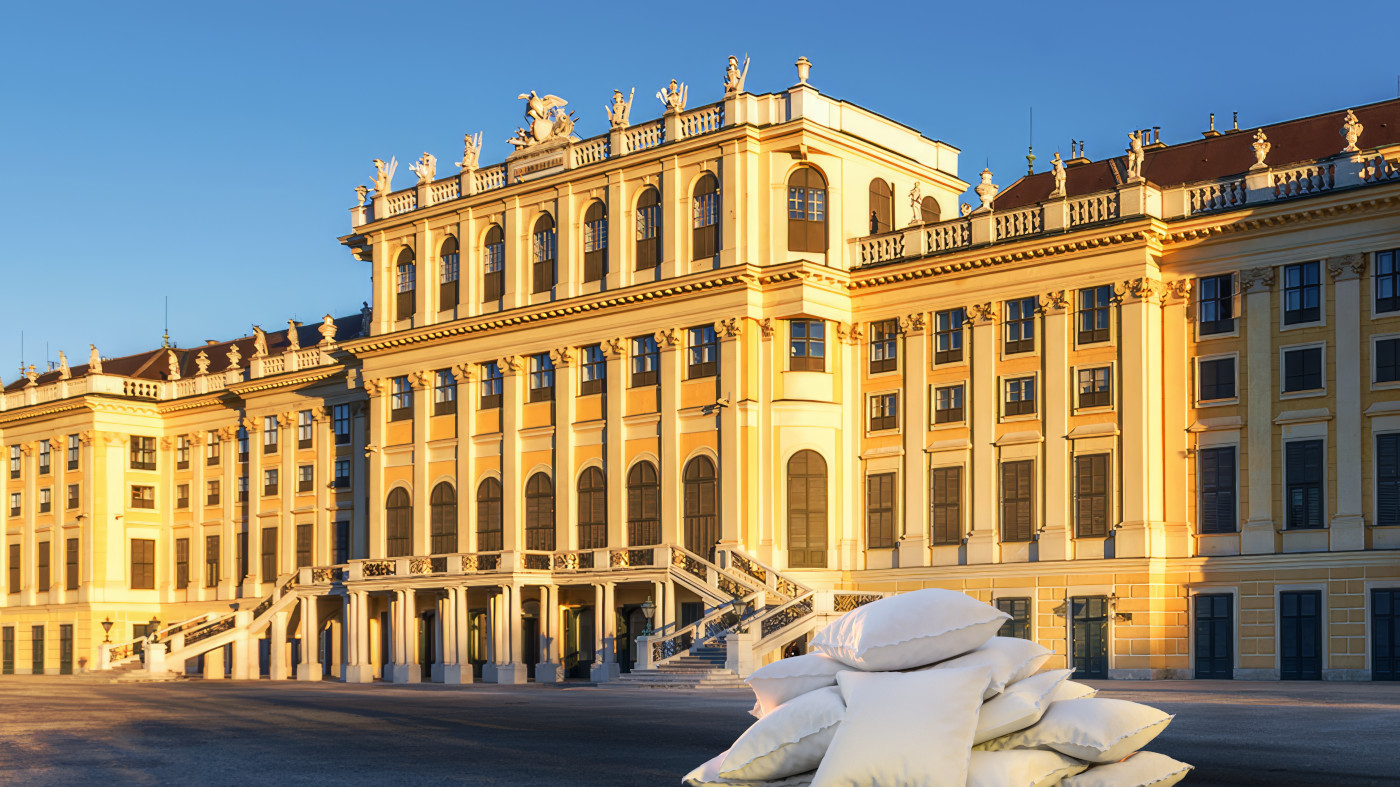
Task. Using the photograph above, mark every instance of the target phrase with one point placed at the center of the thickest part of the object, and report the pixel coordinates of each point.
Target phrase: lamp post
(152, 628)
(648, 612)
(741, 608)
(107, 631)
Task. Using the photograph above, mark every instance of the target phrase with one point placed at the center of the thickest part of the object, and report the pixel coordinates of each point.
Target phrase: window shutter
(1388, 479)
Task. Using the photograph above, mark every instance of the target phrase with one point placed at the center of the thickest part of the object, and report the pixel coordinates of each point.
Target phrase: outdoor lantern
(106, 630)
(649, 612)
(741, 608)
(154, 626)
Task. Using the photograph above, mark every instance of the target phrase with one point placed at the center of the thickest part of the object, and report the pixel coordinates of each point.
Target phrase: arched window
(595, 242)
(704, 213)
(592, 509)
(649, 229)
(806, 504)
(881, 207)
(643, 505)
(701, 507)
(493, 255)
(442, 509)
(929, 211)
(448, 274)
(488, 516)
(543, 254)
(539, 512)
(406, 281)
(399, 524)
(806, 211)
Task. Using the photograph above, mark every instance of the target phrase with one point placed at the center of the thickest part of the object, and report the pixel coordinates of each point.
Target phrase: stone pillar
(669, 340)
(913, 546)
(568, 250)
(252, 584)
(362, 473)
(466, 455)
(422, 383)
(614, 458)
(512, 371)
(493, 640)
(1055, 542)
(1176, 377)
(242, 645)
(405, 622)
(309, 668)
(277, 654)
(1347, 530)
(359, 667)
(513, 669)
(675, 212)
(1142, 533)
(376, 546)
(983, 398)
(729, 333)
(214, 664)
(230, 584)
(549, 670)
(1257, 535)
(456, 666)
(323, 526)
(605, 666)
(565, 477)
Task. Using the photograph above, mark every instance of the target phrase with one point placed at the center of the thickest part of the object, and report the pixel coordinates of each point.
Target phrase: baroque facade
(719, 369)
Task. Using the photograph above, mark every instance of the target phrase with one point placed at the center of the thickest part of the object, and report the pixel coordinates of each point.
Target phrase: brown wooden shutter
(595, 263)
(705, 237)
(881, 207)
(1017, 509)
(1091, 495)
(946, 499)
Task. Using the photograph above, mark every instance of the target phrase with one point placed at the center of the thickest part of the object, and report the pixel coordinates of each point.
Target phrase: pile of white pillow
(916, 689)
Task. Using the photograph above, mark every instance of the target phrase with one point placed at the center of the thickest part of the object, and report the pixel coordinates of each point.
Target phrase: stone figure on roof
(293, 341)
(1057, 167)
(361, 193)
(734, 76)
(916, 204)
(1351, 129)
(32, 376)
(327, 330)
(173, 365)
(201, 362)
(986, 190)
(620, 112)
(94, 360)
(1261, 149)
(234, 356)
(259, 342)
(384, 176)
(1135, 155)
(673, 96)
(425, 168)
(471, 151)
(545, 119)
(63, 372)
(965, 210)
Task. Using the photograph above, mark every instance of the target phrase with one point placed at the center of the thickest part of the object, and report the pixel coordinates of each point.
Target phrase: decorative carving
(86, 437)
(512, 364)
(1347, 266)
(1057, 300)
(327, 330)
(250, 425)
(1179, 289)
(545, 120)
(729, 328)
(1057, 168)
(228, 434)
(1256, 279)
(384, 176)
(284, 420)
(94, 360)
(804, 69)
(564, 356)
(619, 114)
(848, 333)
(293, 340)
(361, 193)
(373, 387)
(615, 348)
(201, 362)
(463, 372)
(366, 313)
(63, 371)
(965, 210)
(425, 168)
(986, 190)
(1144, 288)
(1261, 149)
(845, 602)
(916, 205)
(166, 443)
(668, 338)
(471, 152)
(172, 363)
(1351, 130)
(32, 375)
(1135, 156)
(982, 313)
(234, 356)
(913, 323)
(673, 96)
(734, 76)
(259, 342)
(419, 381)
(767, 328)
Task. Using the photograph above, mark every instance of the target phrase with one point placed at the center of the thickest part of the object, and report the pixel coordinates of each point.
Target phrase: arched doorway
(701, 507)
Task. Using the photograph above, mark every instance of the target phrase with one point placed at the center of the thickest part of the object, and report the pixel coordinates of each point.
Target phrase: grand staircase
(702, 668)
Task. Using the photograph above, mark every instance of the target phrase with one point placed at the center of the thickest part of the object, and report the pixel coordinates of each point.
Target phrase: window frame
(960, 411)
(955, 535)
(306, 478)
(337, 477)
(139, 499)
(492, 385)
(400, 398)
(213, 558)
(1092, 498)
(271, 434)
(1287, 322)
(1207, 329)
(143, 453)
(45, 457)
(807, 211)
(405, 284)
(74, 449)
(1302, 393)
(449, 273)
(646, 361)
(1202, 505)
(702, 354)
(142, 575)
(211, 492)
(1198, 384)
(883, 510)
(340, 416)
(648, 251)
(1378, 384)
(1029, 500)
(595, 242)
(541, 378)
(1005, 395)
(886, 404)
(1392, 307)
(272, 481)
(1321, 484)
(882, 347)
(806, 361)
(444, 392)
(954, 334)
(1094, 335)
(1094, 405)
(493, 264)
(544, 254)
(705, 211)
(1379, 516)
(306, 430)
(1023, 325)
(593, 370)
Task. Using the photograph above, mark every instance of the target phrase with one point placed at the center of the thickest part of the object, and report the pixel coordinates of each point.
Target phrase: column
(374, 514)
(86, 546)
(242, 645)
(252, 586)
(676, 219)
(309, 668)
(1055, 540)
(29, 549)
(422, 383)
(358, 667)
(513, 670)
(513, 372)
(605, 628)
(549, 670)
(913, 546)
(1141, 534)
(1257, 536)
(570, 244)
(428, 262)
(360, 477)
(323, 527)
(621, 224)
(490, 670)
(456, 667)
(565, 477)
(230, 584)
(669, 340)
(277, 656)
(466, 455)
(517, 261)
(1176, 402)
(614, 456)
(982, 399)
(731, 388)
(1348, 527)
(287, 489)
(405, 622)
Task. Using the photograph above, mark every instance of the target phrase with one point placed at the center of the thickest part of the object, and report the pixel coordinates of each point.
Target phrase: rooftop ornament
(620, 111)
(425, 168)
(471, 152)
(94, 360)
(986, 191)
(1351, 130)
(384, 176)
(1135, 156)
(545, 121)
(673, 96)
(734, 77)
(1057, 168)
(804, 69)
(1261, 149)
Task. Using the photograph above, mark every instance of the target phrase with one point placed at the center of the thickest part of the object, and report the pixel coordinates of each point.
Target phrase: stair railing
(711, 628)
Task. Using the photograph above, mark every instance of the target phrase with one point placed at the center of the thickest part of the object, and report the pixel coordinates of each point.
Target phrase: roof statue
(1351, 129)
(94, 360)
(964, 210)
(734, 76)
(471, 152)
(545, 120)
(33, 376)
(259, 342)
(63, 372)
(234, 356)
(173, 364)
(621, 109)
(1135, 156)
(1057, 167)
(916, 204)
(986, 190)
(366, 313)
(1261, 149)
(425, 168)
(673, 96)
(361, 192)
(293, 341)
(384, 176)
(201, 362)
(327, 330)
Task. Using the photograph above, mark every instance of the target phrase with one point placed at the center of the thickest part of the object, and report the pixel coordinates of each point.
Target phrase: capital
(1257, 279)
(1178, 290)
(1346, 266)
(615, 348)
(1055, 301)
(982, 313)
(913, 323)
(848, 333)
(511, 365)
(1144, 289)
(767, 328)
(668, 338)
(563, 356)
(729, 328)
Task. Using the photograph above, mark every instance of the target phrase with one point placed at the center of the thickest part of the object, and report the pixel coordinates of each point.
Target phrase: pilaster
(422, 383)
(669, 341)
(1054, 540)
(1141, 386)
(374, 457)
(1347, 530)
(615, 350)
(466, 458)
(1258, 536)
(729, 333)
(308, 668)
(565, 476)
(1176, 400)
(913, 544)
(252, 584)
(982, 399)
(512, 370)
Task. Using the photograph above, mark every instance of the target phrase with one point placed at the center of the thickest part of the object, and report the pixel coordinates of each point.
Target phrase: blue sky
(209, 152)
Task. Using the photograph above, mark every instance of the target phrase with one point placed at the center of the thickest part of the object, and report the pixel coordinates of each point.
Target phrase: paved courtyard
(66, 731)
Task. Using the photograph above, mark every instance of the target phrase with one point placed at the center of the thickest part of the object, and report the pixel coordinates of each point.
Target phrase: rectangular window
(15, 455)
(73, 500)
(1095, 387)
(211, 493)
(14, 504)
(1217, 379)
(305, 428)
(444, 392)
(541, 378)
(879, 511)
(1020, 396)
(1387, 357)
(211, 448)
(182, 452)
(948, 404)
(490, 385)
(1302, 369)
(269, 482)
(270, 434)
(1303, 468)
(45, 568)
(45, 500)
(73, 445)
(306, 476)
(646, 361)
(1218, 301)
(269, 554)
(948, 336)
(1387, 281)
(704, 352)
(807, 345)
(143, 497)
(1091, 496)
(1387, 480)
(884, 346)
(304, 538)
(705, 221)
(595, 370)
(1019, 626)
(1217, 471)
(14, 569)
(71, 574)
(182, 563)
(211, 561)
(1020, 326)
(405, 300)
(37, 654)
(1093, 314)
(182, 496)
(1018, 500)
(884, 411)
(143, 564)
(342, 543)
(1302, 293)
(340, 423)
(945, 504)
(45, 457)
(400, 399)
(342, 474)
(143, 453)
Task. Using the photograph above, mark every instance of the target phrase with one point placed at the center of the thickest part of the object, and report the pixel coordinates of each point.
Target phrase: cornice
(24, 414)
(1252, 223)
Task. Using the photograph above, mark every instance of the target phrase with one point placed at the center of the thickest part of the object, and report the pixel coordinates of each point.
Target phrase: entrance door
(1300, 635)
(1090, 636)
(327, 647)
(386, 643)
(7, 650)
(65, 649)
(636, 624)
(1215, 636)
(1385, 634)
(138, 633)
(476, 641)
(427, 644)
(530, 644)
(38, 663)
(579, 648)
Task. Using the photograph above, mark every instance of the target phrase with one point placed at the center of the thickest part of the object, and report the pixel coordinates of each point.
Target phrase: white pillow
(789, 739)
(707, 775)
(1093, 729)
(1020, 706)
(909, 630)
(912, 729)
(787, 678)
(1009, 658)
(1020, 768)
(1144, 769)
(1069, 690)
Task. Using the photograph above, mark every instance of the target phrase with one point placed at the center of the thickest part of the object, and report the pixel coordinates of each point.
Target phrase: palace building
(684, 390)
